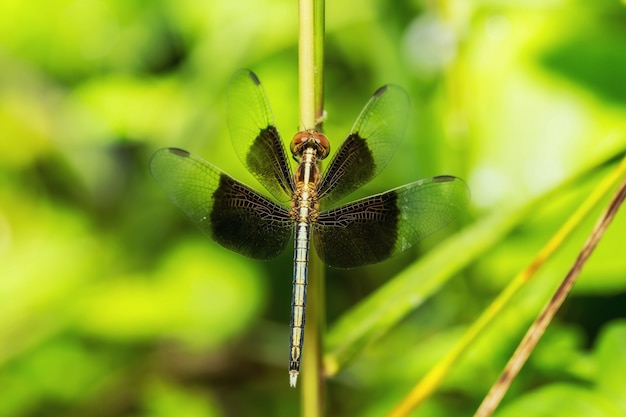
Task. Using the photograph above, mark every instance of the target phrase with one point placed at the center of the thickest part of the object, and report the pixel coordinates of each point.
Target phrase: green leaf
(199, 296)
(562, 400)
(611, 359)
(387, 306)
(166, 400)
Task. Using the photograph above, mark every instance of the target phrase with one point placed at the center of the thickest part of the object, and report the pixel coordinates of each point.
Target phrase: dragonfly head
(310, 139)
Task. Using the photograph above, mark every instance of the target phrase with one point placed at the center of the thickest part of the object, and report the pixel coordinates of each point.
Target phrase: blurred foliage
(114, 305)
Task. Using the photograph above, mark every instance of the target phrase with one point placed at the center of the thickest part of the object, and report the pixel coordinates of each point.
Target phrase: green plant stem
(311, 63)
(311, 85)
(312, 370)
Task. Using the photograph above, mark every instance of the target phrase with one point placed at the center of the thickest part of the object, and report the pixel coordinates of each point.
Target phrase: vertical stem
(311, 63)
(312, 366)
(311, 54)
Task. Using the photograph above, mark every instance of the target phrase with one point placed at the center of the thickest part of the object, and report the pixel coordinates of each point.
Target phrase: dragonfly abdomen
(304, 209)
(298, 300)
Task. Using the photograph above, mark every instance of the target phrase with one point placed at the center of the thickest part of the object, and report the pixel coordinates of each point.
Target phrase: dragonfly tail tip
(293, 378)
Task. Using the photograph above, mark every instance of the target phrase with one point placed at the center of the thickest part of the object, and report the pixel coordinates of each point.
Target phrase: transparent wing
(232, 214)
(378, 227)
(255, 137)
(369, 146)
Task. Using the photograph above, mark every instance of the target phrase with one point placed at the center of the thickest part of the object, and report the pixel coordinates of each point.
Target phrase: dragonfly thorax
(309, 139)
(305, 202)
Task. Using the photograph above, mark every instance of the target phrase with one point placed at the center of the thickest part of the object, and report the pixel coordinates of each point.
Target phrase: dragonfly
(305, 203)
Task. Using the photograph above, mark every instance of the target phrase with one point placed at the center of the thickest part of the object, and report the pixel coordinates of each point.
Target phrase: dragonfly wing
(232, 214)
(377, 227)
(369, 146)
(255, 137)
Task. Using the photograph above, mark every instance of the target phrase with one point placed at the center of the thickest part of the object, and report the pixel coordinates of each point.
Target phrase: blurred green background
(113, 304)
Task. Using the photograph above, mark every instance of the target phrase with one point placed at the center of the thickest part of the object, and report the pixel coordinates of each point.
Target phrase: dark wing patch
(255, 137)
(232, 214)
(378, 227)
(359, 233)
(369, 146)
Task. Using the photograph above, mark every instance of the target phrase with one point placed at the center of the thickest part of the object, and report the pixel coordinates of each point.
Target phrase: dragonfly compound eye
(310, 138)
